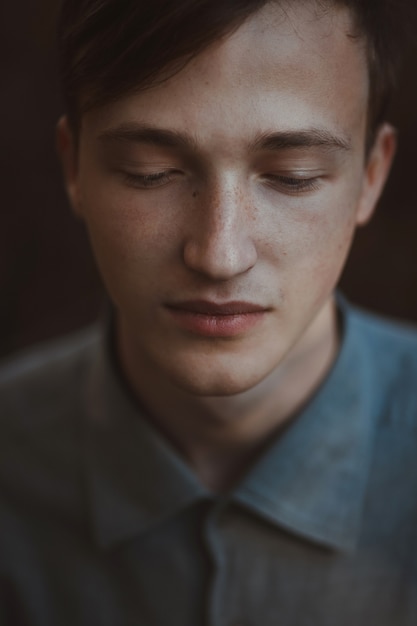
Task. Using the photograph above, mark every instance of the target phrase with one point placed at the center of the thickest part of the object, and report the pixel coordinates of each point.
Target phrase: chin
(218, 389)
(216, 381)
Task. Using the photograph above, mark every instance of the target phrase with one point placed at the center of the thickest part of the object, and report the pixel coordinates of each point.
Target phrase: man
(236, 445)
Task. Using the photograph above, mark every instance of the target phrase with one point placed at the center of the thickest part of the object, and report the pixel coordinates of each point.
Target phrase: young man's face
(221, 204)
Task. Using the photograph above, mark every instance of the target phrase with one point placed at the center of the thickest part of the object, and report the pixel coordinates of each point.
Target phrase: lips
(211, 319)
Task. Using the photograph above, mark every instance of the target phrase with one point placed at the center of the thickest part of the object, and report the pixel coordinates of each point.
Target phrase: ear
(377, 169)
(68, 154)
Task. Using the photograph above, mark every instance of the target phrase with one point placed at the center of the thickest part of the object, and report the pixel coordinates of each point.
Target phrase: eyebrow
(142, 133)
(269, 141)
(309, 138)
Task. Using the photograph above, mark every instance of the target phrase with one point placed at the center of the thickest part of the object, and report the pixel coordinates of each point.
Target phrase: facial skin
(241, 179)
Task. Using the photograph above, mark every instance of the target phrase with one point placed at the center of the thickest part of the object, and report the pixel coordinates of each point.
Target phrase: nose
(221, 243)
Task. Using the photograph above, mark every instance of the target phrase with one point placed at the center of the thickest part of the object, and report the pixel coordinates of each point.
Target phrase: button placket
(216, 553)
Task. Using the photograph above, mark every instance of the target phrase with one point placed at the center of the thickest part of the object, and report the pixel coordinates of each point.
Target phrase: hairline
(170, 70)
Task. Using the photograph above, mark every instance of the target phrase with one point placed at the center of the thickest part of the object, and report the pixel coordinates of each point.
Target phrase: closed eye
(149, 181)
(292, 184)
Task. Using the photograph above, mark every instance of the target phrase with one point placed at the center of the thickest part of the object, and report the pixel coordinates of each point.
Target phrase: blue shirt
(102, 522)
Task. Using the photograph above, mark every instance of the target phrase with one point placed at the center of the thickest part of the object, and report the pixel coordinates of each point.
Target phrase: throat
(220, 470)
(222, 437)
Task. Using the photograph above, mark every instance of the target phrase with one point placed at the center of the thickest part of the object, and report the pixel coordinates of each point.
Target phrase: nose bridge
(225, 212)
(221, 244)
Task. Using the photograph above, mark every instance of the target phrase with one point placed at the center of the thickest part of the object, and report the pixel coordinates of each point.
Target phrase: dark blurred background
(48, 283)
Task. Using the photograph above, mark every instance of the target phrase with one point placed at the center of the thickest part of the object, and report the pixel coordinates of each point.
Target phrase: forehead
(292, 62)
(281, 33)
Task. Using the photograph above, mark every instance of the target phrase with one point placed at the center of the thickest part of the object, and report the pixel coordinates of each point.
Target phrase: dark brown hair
(109, 48)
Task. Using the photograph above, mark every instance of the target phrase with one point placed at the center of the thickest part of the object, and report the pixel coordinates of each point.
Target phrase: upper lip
(206, 307)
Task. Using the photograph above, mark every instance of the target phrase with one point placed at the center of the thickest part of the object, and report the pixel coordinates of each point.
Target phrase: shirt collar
(135, 479)
(312, 481)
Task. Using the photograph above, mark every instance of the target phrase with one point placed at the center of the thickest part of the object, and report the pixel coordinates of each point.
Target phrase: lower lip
(216, 325)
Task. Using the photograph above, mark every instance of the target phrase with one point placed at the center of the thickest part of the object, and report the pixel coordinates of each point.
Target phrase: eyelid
(150, 180)
(294, 183)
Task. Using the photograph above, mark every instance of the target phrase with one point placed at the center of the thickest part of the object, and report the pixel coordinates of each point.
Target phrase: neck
(221, 436)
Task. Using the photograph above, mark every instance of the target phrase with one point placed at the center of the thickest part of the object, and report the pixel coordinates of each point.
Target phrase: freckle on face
(257, 85)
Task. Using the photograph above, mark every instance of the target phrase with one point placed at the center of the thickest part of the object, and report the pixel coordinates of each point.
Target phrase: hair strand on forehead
(109, 48)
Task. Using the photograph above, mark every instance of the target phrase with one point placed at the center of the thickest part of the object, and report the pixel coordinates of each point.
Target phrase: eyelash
(288, 184)
(293, 185)
(148, 181)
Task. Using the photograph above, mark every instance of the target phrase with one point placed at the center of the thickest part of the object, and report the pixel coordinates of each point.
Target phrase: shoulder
(42, 406)
(42, 383)
(389, 351)
(381, 332)
(389, 341)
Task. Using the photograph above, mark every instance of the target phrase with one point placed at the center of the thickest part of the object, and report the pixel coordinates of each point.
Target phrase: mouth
(211, 319)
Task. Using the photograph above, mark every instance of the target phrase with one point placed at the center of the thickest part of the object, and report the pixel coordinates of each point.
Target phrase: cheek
(128, 247)
(124, 231)
(317, 244)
